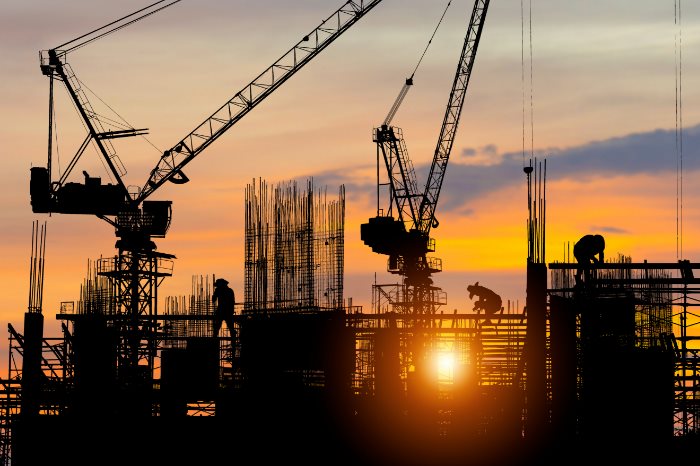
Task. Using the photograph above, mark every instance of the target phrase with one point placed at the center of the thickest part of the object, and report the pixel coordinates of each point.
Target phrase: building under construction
(610, 362)
(600, 364)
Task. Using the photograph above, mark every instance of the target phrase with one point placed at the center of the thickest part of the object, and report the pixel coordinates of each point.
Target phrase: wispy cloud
(640, 153)
(610, 229)
(468, 177)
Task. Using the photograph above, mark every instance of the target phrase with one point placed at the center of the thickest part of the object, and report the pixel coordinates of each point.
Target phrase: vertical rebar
(36, 268)
(294, 248)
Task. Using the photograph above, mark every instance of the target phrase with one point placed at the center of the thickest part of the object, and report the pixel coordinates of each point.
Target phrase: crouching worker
(489, 301)
(590, 249)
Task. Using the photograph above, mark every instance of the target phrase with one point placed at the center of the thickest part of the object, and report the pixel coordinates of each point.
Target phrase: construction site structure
(138, 219)
(624, 367)
(294, 249)
(405, 239)
(302, 376)
(615, 362)
(305, 367)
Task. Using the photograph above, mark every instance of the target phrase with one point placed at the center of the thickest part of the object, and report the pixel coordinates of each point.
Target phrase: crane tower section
(138, 268)
(405, 236)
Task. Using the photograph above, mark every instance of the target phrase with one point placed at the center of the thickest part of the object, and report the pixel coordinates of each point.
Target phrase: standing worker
(224, 299)
(585, 251)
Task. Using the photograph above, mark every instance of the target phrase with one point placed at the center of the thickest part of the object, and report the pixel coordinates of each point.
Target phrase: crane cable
(431, 39)
(532, 111)
(522, 80)
(115, 28)
(55, 136)
(87, 130)
(123, 123)
(522, 70)
(678, 49)
(536, 207)
(409, 81)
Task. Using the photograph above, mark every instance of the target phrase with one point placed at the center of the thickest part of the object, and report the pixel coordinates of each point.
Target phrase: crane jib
(173, 161)
(453, 111)
(135, 218)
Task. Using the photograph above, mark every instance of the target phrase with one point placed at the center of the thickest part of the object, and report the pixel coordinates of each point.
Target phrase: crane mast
(405, 239)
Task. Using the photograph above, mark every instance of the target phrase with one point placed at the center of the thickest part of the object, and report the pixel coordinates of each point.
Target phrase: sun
(446, 362)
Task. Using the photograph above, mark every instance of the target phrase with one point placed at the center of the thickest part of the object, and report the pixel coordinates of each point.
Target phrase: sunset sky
(601, 108)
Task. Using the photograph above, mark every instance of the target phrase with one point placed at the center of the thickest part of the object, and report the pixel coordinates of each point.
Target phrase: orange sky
(599, 72)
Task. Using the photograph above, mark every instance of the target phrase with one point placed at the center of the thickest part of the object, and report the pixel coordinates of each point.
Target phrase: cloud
(650, 153)
(490, 149)
(485, 155)
(610, 229)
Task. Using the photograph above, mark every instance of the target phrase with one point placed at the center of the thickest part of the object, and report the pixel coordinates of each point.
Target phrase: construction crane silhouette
(405, 238)
(138, 267)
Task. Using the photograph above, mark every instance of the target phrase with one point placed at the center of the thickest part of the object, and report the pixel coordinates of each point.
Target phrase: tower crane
(136, 220)
(405, 238)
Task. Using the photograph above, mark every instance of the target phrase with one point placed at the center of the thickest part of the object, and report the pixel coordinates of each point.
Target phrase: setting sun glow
(446, 367)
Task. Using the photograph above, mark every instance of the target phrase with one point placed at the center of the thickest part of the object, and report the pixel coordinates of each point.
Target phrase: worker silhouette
(590, 249)
(225, 300)
(488, 301)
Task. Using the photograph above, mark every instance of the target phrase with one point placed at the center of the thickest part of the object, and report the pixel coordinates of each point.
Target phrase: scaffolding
(188, 319)
(451, 355)
(662, 298)
(189, 316)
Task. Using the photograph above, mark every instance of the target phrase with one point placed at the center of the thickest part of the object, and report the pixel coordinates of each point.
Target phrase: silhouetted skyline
(603, 79)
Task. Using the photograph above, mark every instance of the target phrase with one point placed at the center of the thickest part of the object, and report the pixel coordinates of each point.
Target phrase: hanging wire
(532, 117)
(536, 186)
(109, 31)
(123, 123)
(675, 91)
(678, 49)
(81, 44)
(104, 164)
(409, 81)
(56, 145)
(544, 211)
(431, 39)
(522, 69)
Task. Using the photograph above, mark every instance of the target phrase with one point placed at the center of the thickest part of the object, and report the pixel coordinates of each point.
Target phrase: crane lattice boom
(170, 166)
(133, 213)
(405, 239)
(426, 211)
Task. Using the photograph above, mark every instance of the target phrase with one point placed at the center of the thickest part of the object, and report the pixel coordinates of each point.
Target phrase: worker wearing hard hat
(224, 299)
